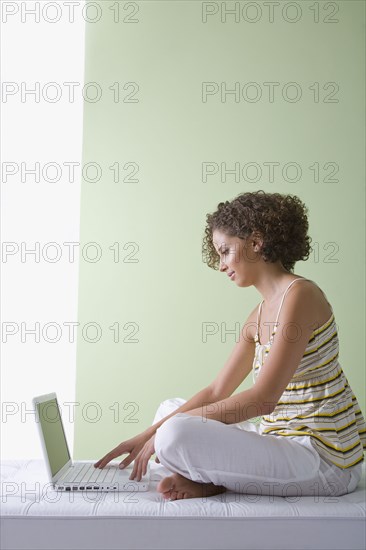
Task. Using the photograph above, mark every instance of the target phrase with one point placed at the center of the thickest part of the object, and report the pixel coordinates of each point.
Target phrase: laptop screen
(53, 434)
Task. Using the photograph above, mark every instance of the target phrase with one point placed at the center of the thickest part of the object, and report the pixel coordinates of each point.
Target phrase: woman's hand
(141, 460)
(138, 446)
(132, 446)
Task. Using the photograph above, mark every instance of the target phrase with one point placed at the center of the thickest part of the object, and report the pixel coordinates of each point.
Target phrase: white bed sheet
(33, 515)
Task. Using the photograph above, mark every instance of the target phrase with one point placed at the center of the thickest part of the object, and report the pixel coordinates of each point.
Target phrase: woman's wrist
(150, 431)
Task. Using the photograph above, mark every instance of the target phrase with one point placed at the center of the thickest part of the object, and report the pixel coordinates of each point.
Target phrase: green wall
(160, 291)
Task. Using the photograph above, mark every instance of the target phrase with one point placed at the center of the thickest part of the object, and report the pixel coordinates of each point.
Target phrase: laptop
(67, 475)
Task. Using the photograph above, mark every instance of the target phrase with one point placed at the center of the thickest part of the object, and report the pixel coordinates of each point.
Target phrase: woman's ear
(257, 242)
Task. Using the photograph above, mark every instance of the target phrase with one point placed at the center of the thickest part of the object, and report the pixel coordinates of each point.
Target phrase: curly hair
(280, 220)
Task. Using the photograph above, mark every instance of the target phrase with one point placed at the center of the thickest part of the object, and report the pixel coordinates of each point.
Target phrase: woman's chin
(240, 282)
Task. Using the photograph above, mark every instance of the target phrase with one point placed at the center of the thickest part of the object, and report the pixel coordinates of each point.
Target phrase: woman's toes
(165, 484)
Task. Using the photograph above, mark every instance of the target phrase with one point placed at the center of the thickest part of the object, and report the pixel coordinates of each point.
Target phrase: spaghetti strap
(283, 297)
(284, 294)
(256, 338)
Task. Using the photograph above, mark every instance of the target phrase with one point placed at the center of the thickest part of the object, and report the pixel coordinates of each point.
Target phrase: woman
(312, 433)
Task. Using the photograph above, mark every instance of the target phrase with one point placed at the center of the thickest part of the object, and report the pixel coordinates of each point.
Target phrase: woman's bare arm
(235, 370)
(204, 396)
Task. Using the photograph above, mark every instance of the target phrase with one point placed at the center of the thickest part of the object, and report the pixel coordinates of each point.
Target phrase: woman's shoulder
(311, 286)
(311, 294)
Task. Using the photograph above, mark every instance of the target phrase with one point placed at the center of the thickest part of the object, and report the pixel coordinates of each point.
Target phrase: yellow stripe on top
(318, 401)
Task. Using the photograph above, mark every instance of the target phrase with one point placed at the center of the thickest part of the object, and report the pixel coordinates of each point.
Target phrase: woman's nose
(223, 266)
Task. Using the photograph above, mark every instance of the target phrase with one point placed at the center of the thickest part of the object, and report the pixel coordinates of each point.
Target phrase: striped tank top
(318, 401)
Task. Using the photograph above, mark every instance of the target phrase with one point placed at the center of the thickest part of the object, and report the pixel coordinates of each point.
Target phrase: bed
(34, 516)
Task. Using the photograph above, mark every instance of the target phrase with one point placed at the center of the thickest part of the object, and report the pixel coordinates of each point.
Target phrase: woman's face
(236, 257)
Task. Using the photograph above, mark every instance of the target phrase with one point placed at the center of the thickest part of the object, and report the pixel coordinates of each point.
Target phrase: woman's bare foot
(176, 486)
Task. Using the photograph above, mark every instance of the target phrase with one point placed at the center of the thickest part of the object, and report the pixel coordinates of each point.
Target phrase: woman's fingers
(108, 457)
(126, 462)
(137, 468)
(99, 462)
(104, 461)
(141, 460)
(134, 469)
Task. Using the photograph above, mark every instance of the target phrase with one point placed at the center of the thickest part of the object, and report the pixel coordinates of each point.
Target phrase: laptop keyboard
(86, 473)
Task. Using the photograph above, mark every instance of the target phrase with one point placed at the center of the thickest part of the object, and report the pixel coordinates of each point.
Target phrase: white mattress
(36, 516)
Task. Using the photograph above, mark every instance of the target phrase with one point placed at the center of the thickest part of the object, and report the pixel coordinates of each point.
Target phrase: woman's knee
(172, 433)
(167, 407)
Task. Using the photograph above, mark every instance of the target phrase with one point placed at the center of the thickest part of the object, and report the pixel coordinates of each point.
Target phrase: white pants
(244, 461)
